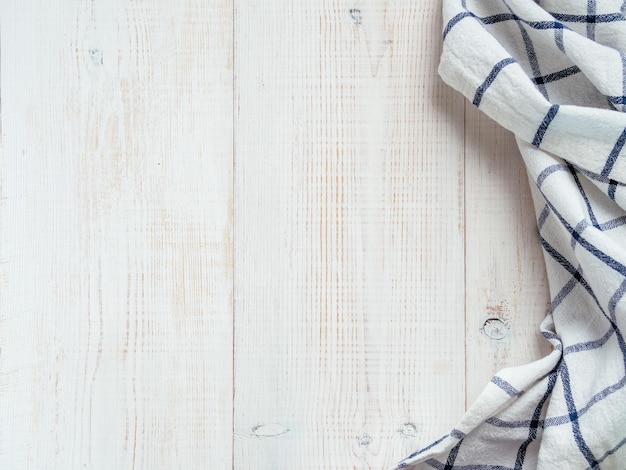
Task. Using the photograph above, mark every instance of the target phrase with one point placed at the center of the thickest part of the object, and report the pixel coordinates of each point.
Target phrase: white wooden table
(248, 234)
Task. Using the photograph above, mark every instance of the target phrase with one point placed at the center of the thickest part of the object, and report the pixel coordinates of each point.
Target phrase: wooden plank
(349, 286)
(507, 287)
(116, 327)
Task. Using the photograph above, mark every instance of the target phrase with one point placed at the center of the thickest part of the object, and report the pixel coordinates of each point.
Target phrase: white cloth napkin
(554, 73)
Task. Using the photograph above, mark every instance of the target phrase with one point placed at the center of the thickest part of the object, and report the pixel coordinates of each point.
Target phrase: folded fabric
(554, 73)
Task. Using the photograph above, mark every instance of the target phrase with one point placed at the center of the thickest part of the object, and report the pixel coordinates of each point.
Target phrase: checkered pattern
(554, 73)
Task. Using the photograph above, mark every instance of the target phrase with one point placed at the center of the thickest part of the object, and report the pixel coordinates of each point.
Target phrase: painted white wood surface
(116, 234)
(506, 283)
(244, 234)
(348, 234)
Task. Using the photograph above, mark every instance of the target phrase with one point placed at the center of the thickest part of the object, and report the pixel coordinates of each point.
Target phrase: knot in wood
(495, 328)
(356, 15)
(365, 440)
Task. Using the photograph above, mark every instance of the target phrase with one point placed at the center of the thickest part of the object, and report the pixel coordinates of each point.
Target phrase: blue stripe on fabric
(602, 256)
(457, 434)
(597, 177)
(549, 335)
(553, 77)
(573, 415)
(613, 223)
(617, 148)
(480, 91)
(454, 453)
(563, 293)
(591, 23)
(532, 56)
(612, 184)
(543, 217)
(606, 259)
(569, 267)
(559, 258)
(612, 451)
(617, 99)
(617, 296)
(589, 345)
(592, 216)
(535, 422)
(499, 18)
(580, 228)
(577, 275)
(548, 171)
(601, 395)
(500, 423)
(455, 20)
(506, 386)
(558, 39)
(493, 19)
(605, 18)
(441, 466)
(435, 464)
(424, 449)
(543, 127)
(511, 16)
(623, 75)
(562, 419)
(544, 24)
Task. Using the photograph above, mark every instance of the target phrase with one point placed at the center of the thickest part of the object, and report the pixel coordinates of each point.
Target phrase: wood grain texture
(349, 297)
(250, 235)
(116, 234)
(507, 287)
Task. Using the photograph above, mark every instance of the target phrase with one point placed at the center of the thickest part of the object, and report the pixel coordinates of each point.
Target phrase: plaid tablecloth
(554, 73)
